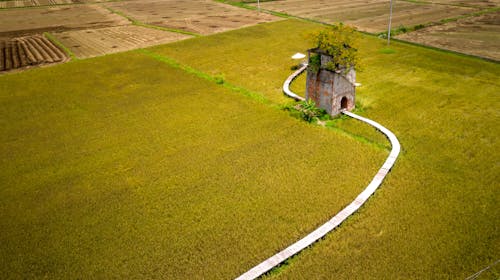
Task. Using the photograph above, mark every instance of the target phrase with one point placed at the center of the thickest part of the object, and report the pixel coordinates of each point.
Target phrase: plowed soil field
(367, 15)
(198, 16)
(19, 22)
(34, 3)
(95, 42)
(477, 35)
(28, 51)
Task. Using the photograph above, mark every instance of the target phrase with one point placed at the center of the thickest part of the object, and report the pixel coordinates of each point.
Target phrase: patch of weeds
(219, 79)
(400, 30)
(418, 27)
(307, 110)
(403, 29)
(314, 63)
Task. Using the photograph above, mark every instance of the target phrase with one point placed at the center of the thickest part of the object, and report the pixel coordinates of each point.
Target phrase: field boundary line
(341, 216)
(215, 79)
(56, 42)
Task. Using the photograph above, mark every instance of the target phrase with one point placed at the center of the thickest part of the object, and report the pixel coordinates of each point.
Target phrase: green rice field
(177, 162)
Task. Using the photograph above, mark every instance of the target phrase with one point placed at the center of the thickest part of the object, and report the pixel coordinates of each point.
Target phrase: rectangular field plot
(95, 42)
(30, 21)
(28, 51)
(198, 16)
(478, 36)
(370, 16)
(34, 3)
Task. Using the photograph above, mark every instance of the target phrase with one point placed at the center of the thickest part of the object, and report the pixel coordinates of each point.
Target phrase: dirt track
(28, 51)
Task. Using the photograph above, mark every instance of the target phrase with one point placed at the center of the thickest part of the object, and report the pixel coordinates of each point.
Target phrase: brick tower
(332, 90)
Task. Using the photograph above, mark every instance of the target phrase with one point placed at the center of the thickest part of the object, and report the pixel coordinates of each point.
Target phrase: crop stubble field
(95, 42)
(21, 29)
(198, 16)
(476, 35)
(61, 18)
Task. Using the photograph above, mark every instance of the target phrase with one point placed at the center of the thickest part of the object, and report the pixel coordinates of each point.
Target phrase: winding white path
(321, 231)
(289, 80)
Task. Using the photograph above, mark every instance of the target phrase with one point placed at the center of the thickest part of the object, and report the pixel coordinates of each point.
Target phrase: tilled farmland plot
(367, 15)
(28, 51)
(476, 35)
(95, 42)
(19, 22)
(198, 16)
(35, 3)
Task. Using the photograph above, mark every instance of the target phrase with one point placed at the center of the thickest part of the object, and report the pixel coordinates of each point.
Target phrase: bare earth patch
(95, 42)
(477, 35)
(18, 22)
(198, 16)
(367, 15)
(28, 51)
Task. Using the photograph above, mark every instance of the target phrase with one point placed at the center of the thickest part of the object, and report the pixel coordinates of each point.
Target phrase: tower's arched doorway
(343, 103)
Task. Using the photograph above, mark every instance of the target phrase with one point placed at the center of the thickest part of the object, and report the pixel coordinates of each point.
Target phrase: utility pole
(258, 5)
(390, 23)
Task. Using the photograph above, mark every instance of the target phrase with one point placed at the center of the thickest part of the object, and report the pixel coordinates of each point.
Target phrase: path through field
(345, 213)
